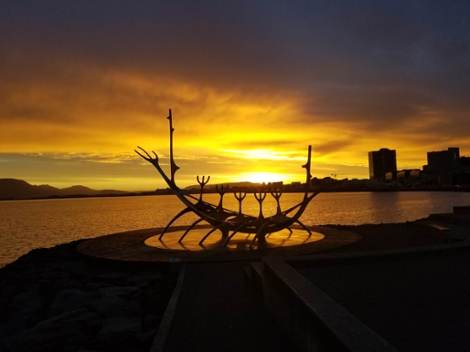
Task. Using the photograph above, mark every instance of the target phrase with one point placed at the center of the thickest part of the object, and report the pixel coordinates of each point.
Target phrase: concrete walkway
(217, 312)
(415, 302)
(415, 298)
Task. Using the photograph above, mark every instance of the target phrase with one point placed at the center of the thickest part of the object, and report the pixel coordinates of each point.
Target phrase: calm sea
(29, 224)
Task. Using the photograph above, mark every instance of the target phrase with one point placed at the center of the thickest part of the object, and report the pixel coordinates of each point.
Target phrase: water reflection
(381, 203)
(30, 224)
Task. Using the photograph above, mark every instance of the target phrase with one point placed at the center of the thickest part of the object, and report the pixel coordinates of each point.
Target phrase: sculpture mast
(307, 170)
(173, 166)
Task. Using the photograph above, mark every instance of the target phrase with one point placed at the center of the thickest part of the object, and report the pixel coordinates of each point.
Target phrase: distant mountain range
(11, 188)
(18, 189)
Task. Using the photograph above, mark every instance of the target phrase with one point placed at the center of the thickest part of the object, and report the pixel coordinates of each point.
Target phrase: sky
(251, 85)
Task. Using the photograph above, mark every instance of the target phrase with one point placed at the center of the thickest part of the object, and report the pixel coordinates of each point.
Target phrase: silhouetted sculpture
(227, 220)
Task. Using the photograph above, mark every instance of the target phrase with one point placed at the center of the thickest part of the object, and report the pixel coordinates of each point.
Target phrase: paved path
(216, 312)
(416, 304)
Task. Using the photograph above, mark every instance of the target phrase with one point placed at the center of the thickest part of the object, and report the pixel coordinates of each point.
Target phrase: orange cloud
(250, 86)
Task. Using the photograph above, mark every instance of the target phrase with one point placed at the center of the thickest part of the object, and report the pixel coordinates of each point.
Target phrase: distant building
(415, 173)
(404, 176)
(391, 176)
(444, 161)
(381, 162)
(443, 167)
(465, 162)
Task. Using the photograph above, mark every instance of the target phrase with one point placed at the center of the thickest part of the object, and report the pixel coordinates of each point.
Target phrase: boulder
(25, 301)
(74, 316)
(119, 331)
(144, 278)
(112, 306)
(121, 291)
(68, 300)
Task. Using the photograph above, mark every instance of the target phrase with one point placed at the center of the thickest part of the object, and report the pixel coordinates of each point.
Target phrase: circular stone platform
(239, 242)
(144, 245)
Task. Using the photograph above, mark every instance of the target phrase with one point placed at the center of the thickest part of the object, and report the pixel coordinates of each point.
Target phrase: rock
(41, 337)
(111, 306)
(144, 278)
(64, 284)
(68, 300)
(39, 272)
(74, 316)
(121, 325)
(53, 300)
(8, 292)
(53, 275)
(95, 285)
(119, 332)
(121, 291)
(75, 266)
(26, 301)
(133, 309)
(113, 275)
(20, 321)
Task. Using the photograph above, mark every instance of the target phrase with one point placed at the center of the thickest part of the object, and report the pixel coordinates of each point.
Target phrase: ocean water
(29, 224)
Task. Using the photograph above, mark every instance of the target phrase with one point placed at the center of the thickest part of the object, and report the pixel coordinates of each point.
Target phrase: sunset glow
(248, 96)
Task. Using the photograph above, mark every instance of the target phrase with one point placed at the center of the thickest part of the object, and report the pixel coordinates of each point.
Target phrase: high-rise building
(444, 161)
(381, 162)
(465, 163)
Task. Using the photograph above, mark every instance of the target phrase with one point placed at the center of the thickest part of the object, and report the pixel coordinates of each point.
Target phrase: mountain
(18, 189)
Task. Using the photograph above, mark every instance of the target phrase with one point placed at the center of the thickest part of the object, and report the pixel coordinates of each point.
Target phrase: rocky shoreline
(57, 300)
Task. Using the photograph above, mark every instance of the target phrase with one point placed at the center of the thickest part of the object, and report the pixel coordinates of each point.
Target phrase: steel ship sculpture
(227, 221)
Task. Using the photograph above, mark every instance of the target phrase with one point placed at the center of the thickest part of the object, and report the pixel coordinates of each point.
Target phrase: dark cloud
(291, 45)
(331, 147)
(396, 71)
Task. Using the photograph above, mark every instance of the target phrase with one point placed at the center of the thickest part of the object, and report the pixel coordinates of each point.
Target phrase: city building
(465, 163)
(444, 161)
(381, 162)
(405, 177)
(443, 167)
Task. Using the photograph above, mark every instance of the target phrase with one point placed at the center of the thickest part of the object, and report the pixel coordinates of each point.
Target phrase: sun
(260, 177)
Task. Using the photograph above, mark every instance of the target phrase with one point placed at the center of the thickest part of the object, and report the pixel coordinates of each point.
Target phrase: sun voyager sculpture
(230, 222)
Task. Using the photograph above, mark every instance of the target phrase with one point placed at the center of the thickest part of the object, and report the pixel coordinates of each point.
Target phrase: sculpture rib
(189, 229)
(181, 213)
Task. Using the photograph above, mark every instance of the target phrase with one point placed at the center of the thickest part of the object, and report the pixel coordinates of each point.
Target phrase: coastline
(253, 190)
(57, 299)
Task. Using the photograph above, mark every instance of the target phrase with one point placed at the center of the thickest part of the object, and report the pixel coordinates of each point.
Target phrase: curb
(313, 319)
(158, 344)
